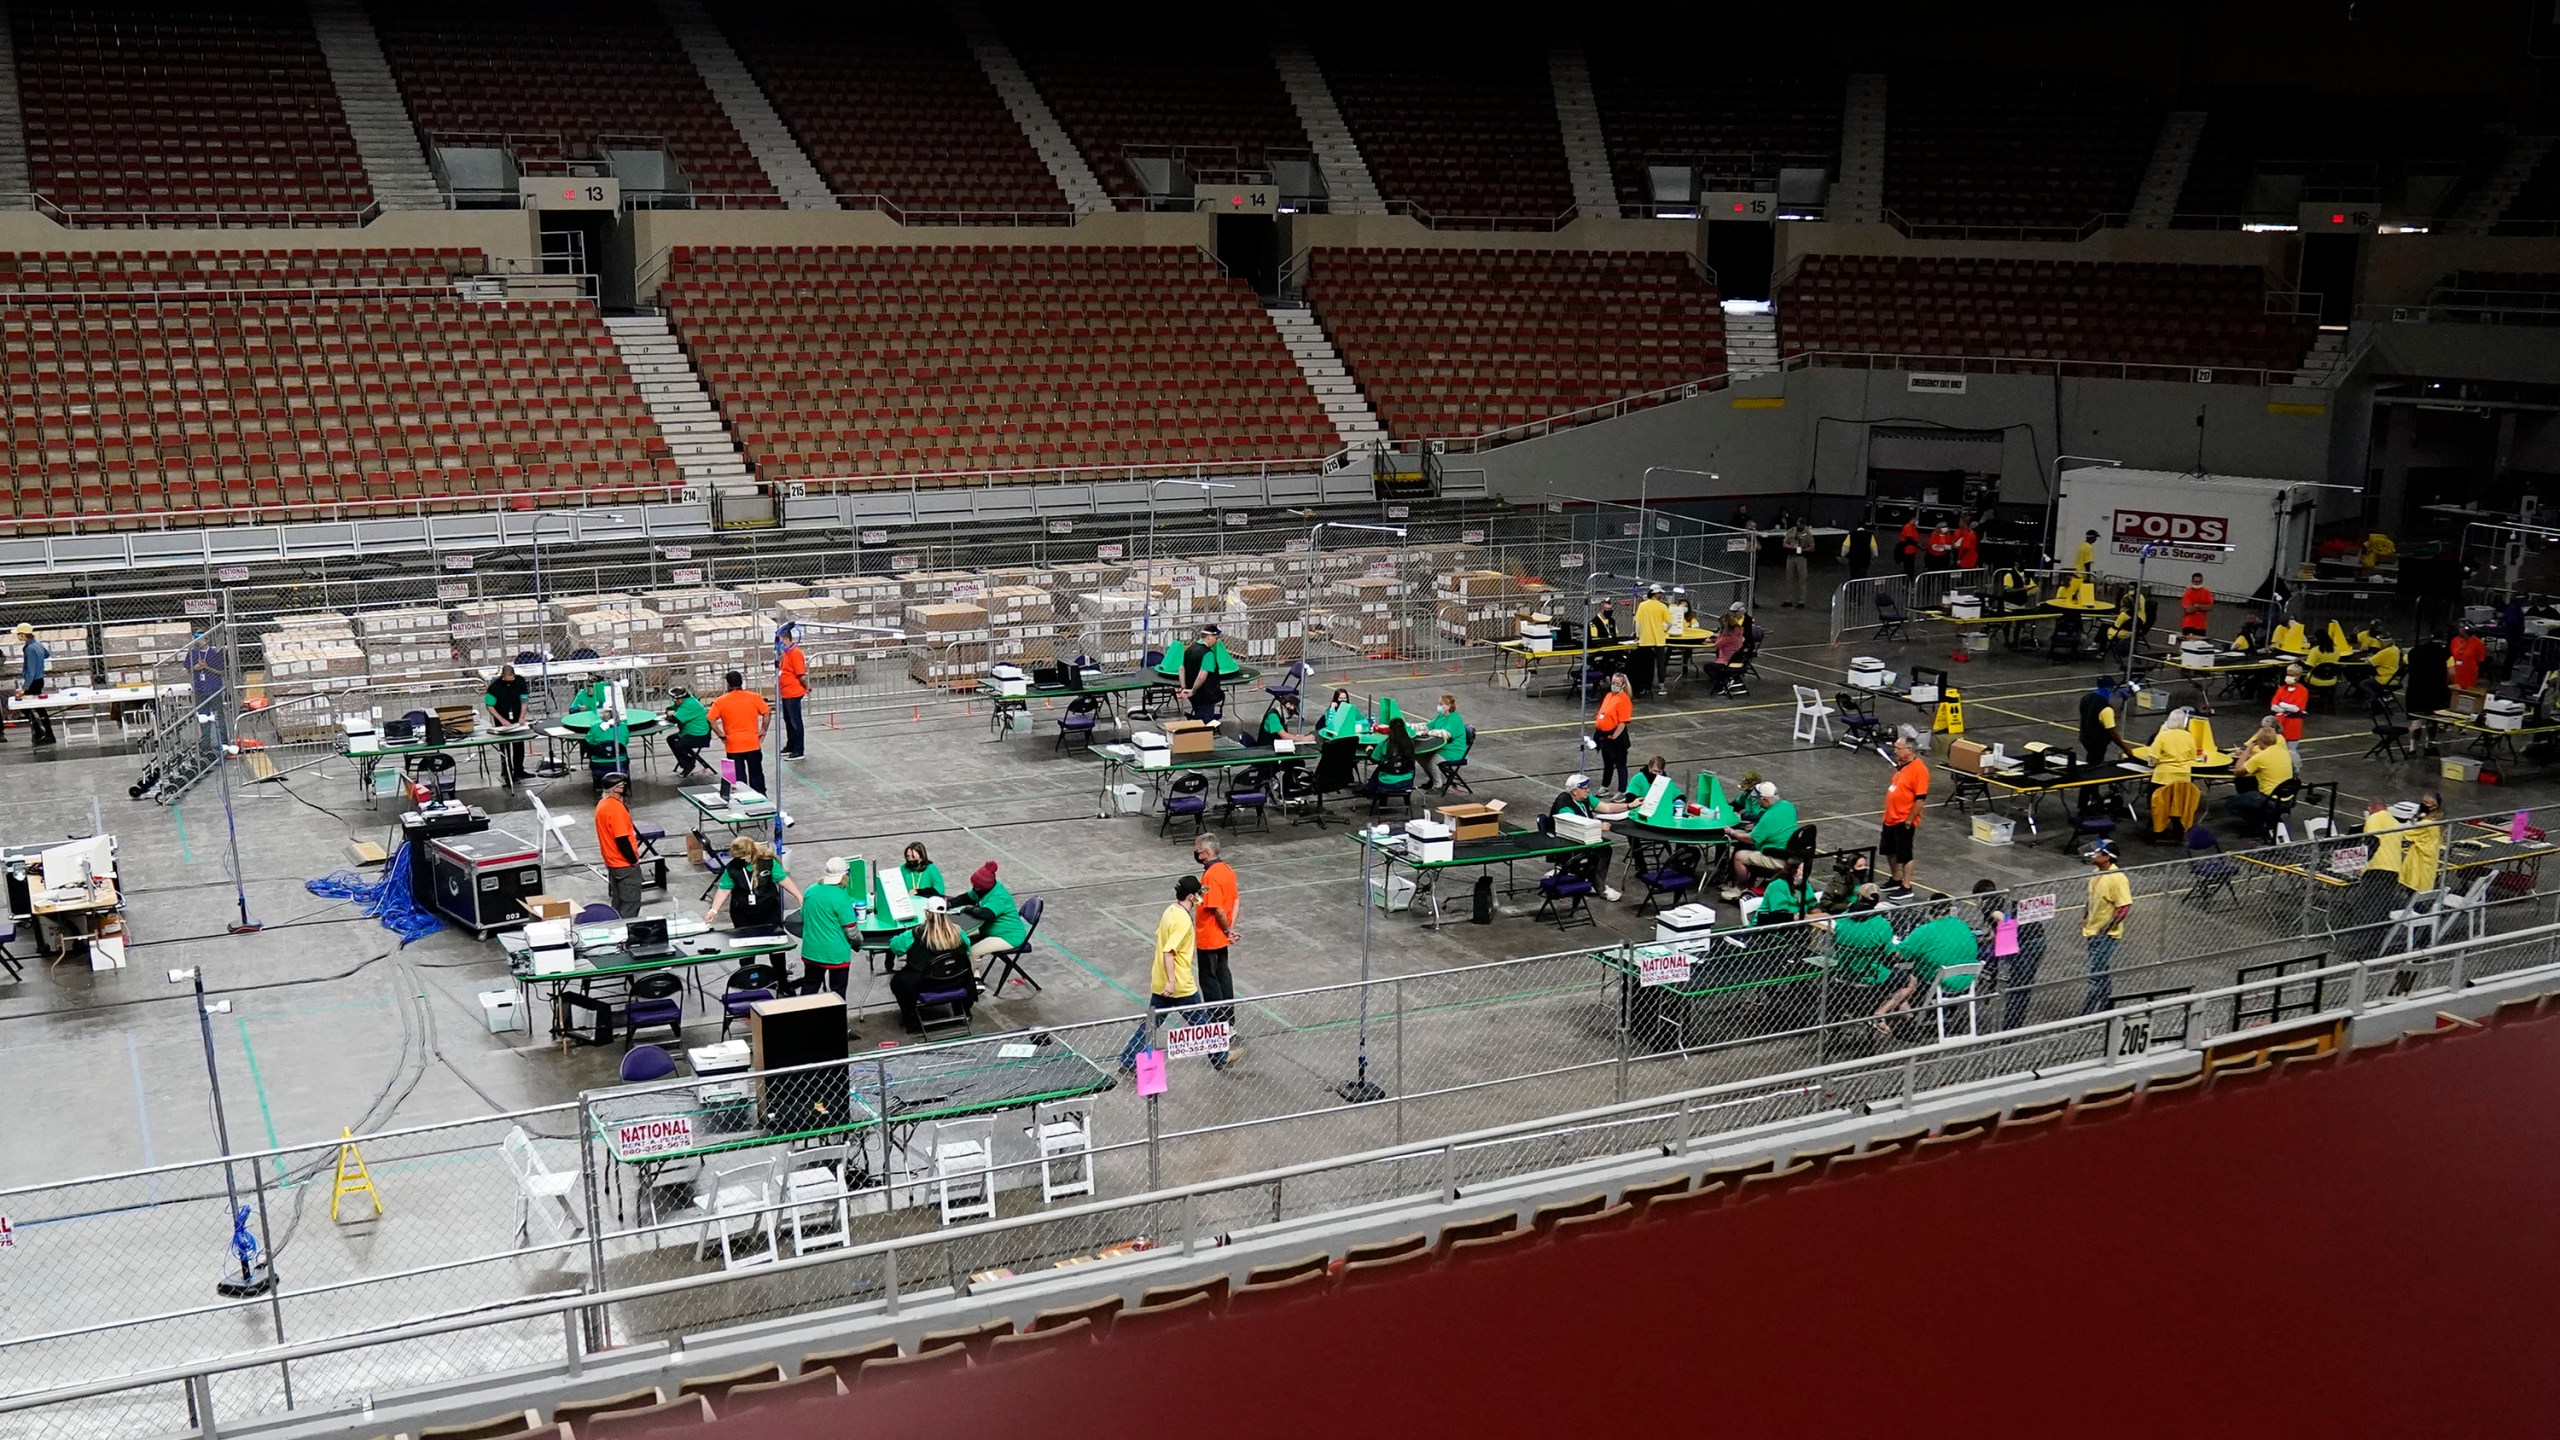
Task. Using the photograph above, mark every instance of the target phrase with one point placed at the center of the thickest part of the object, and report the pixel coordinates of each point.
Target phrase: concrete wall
(1813, 438)
(1798, 239)
(654, 232)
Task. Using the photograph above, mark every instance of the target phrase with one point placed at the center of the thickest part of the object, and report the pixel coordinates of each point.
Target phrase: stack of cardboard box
(137, 654)
(307, 657)
(694, 600)
(949, 643)
(1110, 626)
(493, 632)
(759, 597)
(832, 651)
(1024, 622)
(618, 630)
(413, 643)
(1476, 605)
(713, 645)
(1360, 614)
(1263, 626)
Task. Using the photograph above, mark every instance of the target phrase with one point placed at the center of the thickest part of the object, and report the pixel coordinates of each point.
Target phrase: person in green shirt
(1396, 766)
(595, 695)
(608, 747)
(1452, 728)
(1861, 944)
(1786, 897)
(1929, 952)
(1280, 722)
(1003, 928)
(916, 867)
(691, 732)
(826, 939)
(1341, 718)
(1762, 849)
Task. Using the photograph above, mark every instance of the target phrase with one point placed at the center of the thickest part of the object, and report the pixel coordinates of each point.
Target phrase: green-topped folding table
(885, 1092)
(369, 751)
(736, 813)
(1121, 761)
(1758, 982)
(571, 730)
(1507, 849)
(1108, 688)
(606, 961)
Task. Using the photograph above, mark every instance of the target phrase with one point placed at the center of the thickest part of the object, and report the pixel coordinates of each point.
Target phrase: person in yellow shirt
(1653, 642)
(2110, 904)
(2263, 762)
(2422, 845)
(2362, 916)
(1173, 982)
(2085, 559)
(2174, 796)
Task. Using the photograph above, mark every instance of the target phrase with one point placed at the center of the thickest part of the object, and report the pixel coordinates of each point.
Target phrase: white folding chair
(1971, 974)
(2470, 907)
(815, 1183)
(1063, 1131)
(538, 1189)
(964, 1171)
(2414, 925)
(555, 830)
(739, 1187)
(1813, 718)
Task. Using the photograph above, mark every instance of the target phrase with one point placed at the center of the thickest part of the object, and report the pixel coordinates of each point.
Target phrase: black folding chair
(1890, 617)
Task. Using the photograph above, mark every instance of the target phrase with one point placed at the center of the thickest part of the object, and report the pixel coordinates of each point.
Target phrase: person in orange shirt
(2467, 651)
(1613, 730)
(791, 664)
(2195, 606)
(1902, 802)
(1968, 545)
(2291, 699)
(618, 840)
(738, 717)
(1215, 925)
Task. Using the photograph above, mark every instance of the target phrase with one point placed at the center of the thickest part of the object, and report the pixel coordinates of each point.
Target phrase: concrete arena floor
(317, 1029)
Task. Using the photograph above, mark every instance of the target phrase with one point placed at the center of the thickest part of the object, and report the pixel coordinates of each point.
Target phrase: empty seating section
(136, 115)
(1153, 83)
(926, 360)
(2008, 151)
(2498, 290)
(1455, 342)
(2059, 310)
(365, 382)
(567, 75)
(1653, 107)
(1469, 139)
(889, 101)
(2337, 147)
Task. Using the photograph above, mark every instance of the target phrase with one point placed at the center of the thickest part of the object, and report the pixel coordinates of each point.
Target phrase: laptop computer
(647, 940)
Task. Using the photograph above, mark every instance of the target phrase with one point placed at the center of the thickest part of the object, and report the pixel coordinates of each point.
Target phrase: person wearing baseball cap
(691, 732)
(1762, 847)
(826, 930)
(618, 840)
(33, 656)
(1173, 977)
(2110, 903)
(1576, 799)
(1003, 927)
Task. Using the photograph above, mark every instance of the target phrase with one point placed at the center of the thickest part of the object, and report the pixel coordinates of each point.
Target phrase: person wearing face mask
(1341, 718)
(1452, 728)
(1215, 924)
(2422, 845)
(916, 867)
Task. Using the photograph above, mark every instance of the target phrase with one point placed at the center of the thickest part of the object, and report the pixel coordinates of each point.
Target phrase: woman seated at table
(2253, 634)
(1723, 676)
(1861, 944)
(1451, 727)
(1395, 771)
(916, 867)
(1341, 718)
(930, 959)
(1786, 897)
(750, 888)
(1280, 722)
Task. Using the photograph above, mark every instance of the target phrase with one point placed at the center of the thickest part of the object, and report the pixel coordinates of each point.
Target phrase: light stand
(257, 1276)
(571, 516)
(1315, 571)
(1644, 509)
(1359, 1089)
(781, 821)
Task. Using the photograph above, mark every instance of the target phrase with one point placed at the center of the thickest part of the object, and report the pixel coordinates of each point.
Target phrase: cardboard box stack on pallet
(310, 654)
(950, 643)
(832, 653)
(410, 643)
(1476, 605)
(1024, 622)
(1110, 626)
(1361, 614)
(934, 587)
(136, 654)
(618, 630)
(880, 604)
(694, 600)
(1264, 627)
(493, 632)
(713, 645)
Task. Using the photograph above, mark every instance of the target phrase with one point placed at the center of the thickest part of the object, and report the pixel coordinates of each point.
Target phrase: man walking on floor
(2102, 924)
(34, 655)
(1173, 982)
(739, 716)
(1216, 928)
(791, 666)
(618, 840)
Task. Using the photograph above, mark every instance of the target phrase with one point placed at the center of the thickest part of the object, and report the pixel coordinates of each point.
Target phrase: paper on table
(1150, 1072)
(2004, 937)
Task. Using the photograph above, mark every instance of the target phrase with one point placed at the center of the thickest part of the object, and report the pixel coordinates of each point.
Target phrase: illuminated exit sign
(1244, 200)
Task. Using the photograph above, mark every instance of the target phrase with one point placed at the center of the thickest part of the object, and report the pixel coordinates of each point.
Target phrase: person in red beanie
(1002, 927)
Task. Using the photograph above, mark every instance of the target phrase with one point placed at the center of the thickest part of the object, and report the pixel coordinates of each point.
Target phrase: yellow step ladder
(353, 1178)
